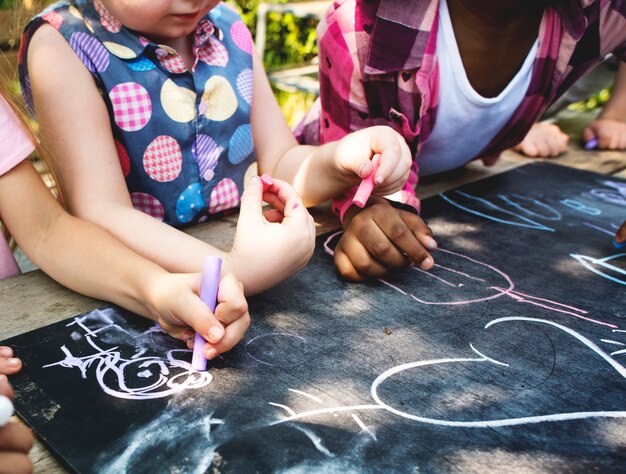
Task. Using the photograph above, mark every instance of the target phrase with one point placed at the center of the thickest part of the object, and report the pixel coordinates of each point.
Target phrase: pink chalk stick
(367, 185)
(208, 294)
(267, 181)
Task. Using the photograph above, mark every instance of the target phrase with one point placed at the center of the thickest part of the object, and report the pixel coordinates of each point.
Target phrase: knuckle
(381, 248)
(398, 230)
(363, 265)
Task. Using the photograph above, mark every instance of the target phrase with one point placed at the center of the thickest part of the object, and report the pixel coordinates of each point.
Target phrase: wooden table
(33, 300)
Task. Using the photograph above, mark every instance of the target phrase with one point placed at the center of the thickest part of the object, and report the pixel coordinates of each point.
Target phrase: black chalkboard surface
(509, 355)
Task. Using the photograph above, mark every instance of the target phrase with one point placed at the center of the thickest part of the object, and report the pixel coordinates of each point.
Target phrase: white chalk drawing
(137, 377)
(494, 212)
(266, 352)
(480, 358)
(482, 282)
(603, 266)
(617, 195)
(175, 423)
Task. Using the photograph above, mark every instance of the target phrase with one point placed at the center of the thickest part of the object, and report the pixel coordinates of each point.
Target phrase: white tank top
(466, 121)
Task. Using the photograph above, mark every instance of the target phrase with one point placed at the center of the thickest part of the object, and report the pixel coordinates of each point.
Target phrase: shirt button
(160, 52)
(202, 108)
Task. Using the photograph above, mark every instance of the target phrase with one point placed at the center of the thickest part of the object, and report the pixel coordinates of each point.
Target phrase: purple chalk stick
(591, 144)
(208, 294)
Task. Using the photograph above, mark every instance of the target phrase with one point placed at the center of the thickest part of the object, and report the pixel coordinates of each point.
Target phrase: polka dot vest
(183, 137)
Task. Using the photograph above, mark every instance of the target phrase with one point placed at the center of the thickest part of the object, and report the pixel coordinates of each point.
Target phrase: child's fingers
(233, 304)
(251, 207)
(234, 333)
(5, 387)
(402, 228)
(273, 200)
(16, 437)
(345, 268)
(198, 316)
(10, 365)
(620, 236)
(15, 463)
(273, 216)
(6, 351)
(395, 157)
(589, 133)
(379, 245)
(360, 258)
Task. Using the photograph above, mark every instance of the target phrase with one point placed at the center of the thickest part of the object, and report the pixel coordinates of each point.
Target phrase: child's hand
(354, 153)
(15, 440)
(181, 312)
(543, 140)
(269, 248)
(9, 364)
(381, 237)
(620, 236)
(611, 134)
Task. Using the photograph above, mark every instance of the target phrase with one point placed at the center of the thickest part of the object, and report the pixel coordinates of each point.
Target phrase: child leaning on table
(87, 259)
(459, 79)
(163, 106)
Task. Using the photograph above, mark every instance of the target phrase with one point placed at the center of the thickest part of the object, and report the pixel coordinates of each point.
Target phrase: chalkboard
(509, 355)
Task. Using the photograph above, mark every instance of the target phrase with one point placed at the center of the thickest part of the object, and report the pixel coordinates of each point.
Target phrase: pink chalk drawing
(463, 280)
(138, 377)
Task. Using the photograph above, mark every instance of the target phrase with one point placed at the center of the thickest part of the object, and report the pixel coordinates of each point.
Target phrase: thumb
(202, 320)
(251, 209)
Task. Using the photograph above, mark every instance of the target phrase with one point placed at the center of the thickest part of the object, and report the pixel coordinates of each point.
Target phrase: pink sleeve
(15, 142)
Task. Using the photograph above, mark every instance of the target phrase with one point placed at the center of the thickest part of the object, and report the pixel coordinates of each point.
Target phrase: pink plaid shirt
(378, 66)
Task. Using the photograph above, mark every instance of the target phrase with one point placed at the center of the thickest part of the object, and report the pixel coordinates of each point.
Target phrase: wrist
(344, 179)
(613, 111)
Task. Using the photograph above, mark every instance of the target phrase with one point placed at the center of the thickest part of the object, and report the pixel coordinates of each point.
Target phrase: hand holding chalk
(6, 410)
(208, 294)
(367, 185)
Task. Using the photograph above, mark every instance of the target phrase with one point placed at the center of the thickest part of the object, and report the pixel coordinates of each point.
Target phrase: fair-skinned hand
(180, 311)
(380, 238)
(353, 158)
(611, 133)
(543, 140)
(15, 440)
(271, 246)
(8, 364)
(620, 236)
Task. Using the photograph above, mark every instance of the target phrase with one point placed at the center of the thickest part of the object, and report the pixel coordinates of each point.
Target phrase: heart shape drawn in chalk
(440, 364)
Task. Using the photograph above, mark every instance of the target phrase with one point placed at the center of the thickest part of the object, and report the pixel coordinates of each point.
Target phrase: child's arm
(323, 172)
(89, 260)
(9, 364)
(75, 125)
(377, 238)
(610, 126)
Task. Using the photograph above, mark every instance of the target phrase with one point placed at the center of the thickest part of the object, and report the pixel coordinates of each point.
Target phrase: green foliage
(4, 4)
(593, 102)
(289, 40)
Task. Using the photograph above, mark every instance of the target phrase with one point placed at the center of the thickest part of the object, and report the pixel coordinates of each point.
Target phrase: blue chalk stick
(618, 245)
